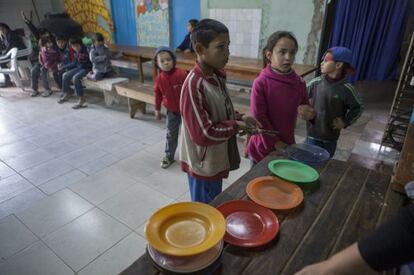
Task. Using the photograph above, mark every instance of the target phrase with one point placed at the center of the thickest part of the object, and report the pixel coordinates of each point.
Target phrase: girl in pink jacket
(276, 95)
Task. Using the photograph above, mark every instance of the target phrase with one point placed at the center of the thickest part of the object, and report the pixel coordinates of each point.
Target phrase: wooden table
(237, 68)
(345, 204)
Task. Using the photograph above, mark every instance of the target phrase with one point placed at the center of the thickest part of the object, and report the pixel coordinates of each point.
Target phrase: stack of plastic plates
(308, 153)
(185, 237)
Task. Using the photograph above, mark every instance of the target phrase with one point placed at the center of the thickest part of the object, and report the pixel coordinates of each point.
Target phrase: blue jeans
(173, 126)
(75, 75)
(39, 70)
(204, 190)
(328, 145)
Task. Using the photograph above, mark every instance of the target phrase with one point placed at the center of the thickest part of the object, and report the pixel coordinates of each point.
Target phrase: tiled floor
(76, 187)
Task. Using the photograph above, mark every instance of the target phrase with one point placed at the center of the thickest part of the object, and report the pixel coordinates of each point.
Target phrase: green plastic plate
(293, 171)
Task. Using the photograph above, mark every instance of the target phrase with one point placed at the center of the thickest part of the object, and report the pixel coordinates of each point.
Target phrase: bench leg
(134, 105)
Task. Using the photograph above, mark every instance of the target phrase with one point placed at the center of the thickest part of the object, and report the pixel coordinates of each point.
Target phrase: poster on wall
(93, 15)
(152, 23)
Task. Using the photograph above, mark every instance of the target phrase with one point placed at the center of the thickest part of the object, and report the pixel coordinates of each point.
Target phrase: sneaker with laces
(166, 162)
(34, 93)
(63, 98)
(81, 103)
(47, 93)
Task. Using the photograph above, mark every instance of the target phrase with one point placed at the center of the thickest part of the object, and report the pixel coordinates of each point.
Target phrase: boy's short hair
(60, 38)
(99, 37)
(75, 41)
(193, 22)
(206, 31)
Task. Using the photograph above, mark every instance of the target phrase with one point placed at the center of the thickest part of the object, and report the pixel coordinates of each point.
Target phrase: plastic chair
(12, 70)
(25, 66)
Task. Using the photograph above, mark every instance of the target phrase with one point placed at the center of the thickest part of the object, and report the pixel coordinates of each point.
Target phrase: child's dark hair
(4, 26)
(164, 49)
(98, 37)
(47, 39)
(206, 30)
(272, 40)
(60, 38)
(193, 22)
(75, 41)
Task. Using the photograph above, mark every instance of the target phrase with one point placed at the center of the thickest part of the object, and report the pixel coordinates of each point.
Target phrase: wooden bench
(107, 86)
(139, 94)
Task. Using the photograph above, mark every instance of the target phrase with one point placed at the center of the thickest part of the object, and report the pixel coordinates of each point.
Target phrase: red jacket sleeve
(196, 115)
(158, 93)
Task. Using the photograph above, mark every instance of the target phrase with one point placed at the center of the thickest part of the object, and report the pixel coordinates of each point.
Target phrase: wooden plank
(137, 91)
(293, 228)
(393, 202)
(365, 212)
(319, 240)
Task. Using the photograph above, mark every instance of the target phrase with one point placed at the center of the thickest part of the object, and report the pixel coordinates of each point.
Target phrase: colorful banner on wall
(89, 14)
(153, 23)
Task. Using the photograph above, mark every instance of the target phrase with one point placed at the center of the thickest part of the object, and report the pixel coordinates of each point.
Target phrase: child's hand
(338, 123)
(306, 112)
(157, 115)
(251, 122)
(280, 145)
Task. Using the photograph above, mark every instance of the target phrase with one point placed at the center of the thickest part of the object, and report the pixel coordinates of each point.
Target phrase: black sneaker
(166, 162)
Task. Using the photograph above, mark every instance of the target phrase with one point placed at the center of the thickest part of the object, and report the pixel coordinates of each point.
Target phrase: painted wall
(303, 18)
(181, 11)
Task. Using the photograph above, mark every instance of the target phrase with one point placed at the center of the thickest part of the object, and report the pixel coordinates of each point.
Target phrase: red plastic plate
(248, 224)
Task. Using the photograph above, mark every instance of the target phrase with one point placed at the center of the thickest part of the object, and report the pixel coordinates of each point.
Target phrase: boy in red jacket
(167, 89)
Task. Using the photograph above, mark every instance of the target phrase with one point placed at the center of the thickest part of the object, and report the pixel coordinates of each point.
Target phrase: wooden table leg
(141, 70)
(134, 105)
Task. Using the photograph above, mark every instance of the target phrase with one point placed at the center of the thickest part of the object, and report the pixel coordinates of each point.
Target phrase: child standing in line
(276, 95)
(208, 132)
(186, 45)
(100, 57)
(335, 100)
(167, 89)
(75, 72)
(49, 58)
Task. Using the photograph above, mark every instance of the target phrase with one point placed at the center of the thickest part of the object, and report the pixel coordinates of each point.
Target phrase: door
(123, 16)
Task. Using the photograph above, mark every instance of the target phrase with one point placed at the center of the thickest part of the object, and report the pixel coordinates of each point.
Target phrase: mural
(153, 23)
(93, 15)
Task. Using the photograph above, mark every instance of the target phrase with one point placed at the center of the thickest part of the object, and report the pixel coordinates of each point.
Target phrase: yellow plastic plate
(185, 228)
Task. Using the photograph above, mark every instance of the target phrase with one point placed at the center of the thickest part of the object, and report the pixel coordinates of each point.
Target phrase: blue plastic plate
(308, 153)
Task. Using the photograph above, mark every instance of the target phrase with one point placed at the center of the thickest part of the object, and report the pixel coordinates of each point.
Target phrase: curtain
(373, 30)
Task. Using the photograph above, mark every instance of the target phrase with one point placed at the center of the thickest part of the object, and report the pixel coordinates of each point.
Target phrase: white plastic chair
(25, 66)
(12, 70)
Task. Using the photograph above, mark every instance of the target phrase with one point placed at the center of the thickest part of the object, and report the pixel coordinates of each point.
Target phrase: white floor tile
(46, 171)
(84, 239)
(35, 260)
(14, 236)
(5, 171)
(28, 160)
(12, 186)
(98, 164)
(62, 181)
(20, 201)
(53, 212)
(118, 257)
(134, 205)
(103, 185)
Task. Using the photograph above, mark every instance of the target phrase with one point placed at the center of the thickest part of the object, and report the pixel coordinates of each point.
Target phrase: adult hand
(157, 115)
(306, 112)
(338, 123)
